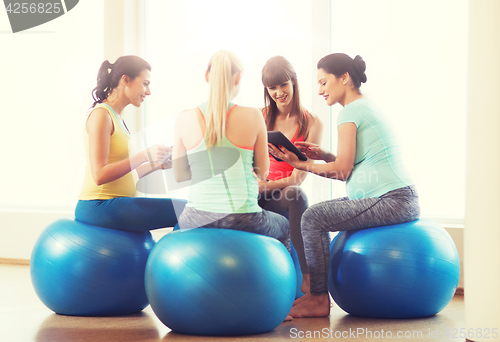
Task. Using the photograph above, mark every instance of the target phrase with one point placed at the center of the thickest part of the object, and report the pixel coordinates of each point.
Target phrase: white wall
(482, 234)
(19, 232)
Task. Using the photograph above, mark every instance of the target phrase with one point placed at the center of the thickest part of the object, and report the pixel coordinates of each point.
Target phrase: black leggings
(397, 206)
(290, 202)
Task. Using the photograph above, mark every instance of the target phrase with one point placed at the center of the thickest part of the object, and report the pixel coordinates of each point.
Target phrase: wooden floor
(24, 318)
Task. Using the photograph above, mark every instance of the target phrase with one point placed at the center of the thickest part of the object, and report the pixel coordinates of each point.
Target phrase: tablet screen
(277, 138)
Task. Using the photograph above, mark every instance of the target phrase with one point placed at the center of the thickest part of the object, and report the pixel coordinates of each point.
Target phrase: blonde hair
(222, 67)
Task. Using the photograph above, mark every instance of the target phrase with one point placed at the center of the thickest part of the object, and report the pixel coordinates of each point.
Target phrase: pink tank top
(279, 170)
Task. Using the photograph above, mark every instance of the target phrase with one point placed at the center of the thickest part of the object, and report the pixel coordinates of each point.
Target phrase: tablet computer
(277, 138)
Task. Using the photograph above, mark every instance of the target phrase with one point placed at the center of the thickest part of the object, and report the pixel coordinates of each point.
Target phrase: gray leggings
(397, 206)
(290, 202)
(264, 222)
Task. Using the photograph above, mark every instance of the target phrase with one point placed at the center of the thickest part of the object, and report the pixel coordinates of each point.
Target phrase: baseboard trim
(8, 261)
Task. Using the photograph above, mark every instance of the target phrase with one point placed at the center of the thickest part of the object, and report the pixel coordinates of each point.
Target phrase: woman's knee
(309, 218)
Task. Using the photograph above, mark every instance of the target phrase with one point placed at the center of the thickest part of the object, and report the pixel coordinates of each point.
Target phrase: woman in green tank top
(368, 159)
(222, 149)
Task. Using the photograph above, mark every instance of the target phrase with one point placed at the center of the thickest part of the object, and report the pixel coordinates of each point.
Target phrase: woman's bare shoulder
(98, 115)
(187, 116)
(248, 111)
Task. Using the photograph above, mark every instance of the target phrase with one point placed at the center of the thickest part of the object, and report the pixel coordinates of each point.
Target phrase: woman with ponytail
(379, 189)
(281, 191)
(107, 197)
(222, 147)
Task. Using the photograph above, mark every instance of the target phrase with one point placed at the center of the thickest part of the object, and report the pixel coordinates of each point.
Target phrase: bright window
(416, 67)
(48, 74)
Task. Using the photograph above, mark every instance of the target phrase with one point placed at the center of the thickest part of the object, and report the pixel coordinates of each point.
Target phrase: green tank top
(222, 179)
(378, 167)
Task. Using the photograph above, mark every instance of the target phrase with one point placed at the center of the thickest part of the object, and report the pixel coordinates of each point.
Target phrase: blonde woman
(222, 148)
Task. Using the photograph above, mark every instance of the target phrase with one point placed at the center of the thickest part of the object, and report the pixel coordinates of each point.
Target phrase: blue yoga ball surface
(406, 270)
(82, 270)
(220, 282)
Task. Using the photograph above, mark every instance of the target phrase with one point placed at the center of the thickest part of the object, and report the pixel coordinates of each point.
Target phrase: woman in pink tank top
(281, 192)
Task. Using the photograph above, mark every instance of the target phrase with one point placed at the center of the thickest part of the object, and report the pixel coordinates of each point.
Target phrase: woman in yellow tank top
(107, 198)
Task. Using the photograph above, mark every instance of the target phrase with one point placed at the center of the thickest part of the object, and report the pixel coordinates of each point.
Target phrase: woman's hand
(315, 152)
(159, 154)
(167, 164)
(284, 154)
(262, 185)
(261, 182)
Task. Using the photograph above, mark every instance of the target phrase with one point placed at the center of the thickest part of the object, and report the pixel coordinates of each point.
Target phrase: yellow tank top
(118, 150)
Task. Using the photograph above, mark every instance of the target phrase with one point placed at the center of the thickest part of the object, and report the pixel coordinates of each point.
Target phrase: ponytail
(131, 66)
(103, 88)
(222, 67)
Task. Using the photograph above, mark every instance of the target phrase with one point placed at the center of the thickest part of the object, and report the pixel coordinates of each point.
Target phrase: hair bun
(360, 67)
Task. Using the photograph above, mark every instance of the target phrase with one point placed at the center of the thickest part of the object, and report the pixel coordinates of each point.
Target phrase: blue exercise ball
(221, 282)
(82, 270)
(296, 264)
(406, 270)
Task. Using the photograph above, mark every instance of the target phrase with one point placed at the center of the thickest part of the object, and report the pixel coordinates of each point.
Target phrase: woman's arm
(99, 128)
(180, 164)
(343, 164)
(296, 178)
(146, 168)
(315, 152)
(260, 156)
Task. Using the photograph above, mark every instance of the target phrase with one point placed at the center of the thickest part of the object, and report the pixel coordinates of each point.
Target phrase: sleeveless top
(279, 170)
(118, 150)
(222, 179)
(378, 166)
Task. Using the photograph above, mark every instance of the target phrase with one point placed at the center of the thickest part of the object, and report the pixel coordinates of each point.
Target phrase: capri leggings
(394, 207)
(137, 214)
(290, 202)
(264, 222)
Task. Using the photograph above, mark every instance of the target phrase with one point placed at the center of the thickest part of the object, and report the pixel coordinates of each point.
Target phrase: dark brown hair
(132, 66)
(339, 63)
(276, 71)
